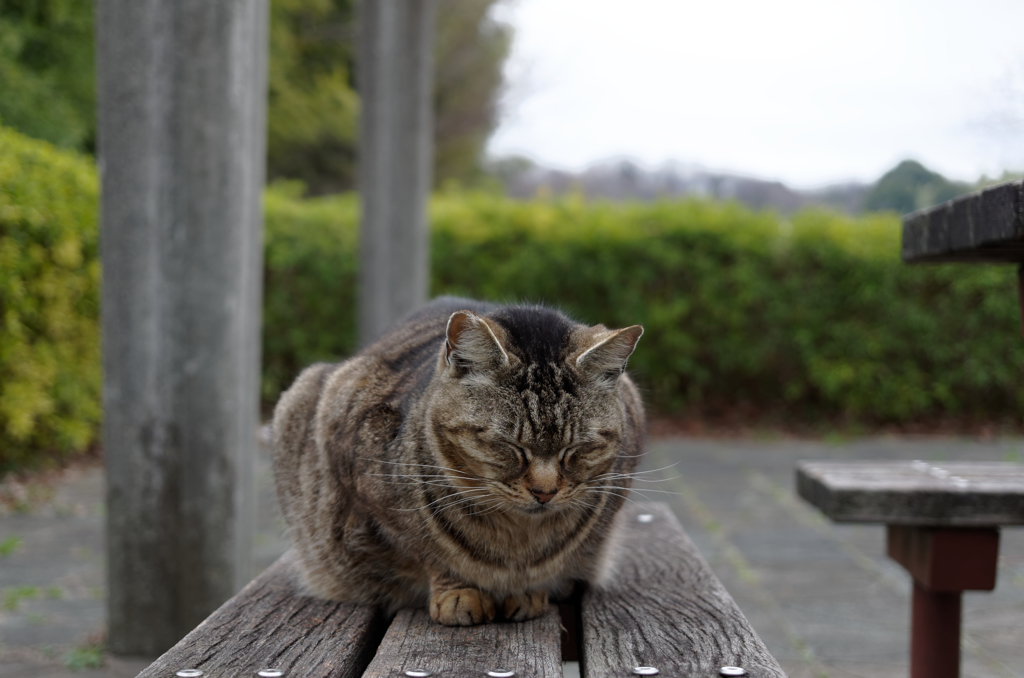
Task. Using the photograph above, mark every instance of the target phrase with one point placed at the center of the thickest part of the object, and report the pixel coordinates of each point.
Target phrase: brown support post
(944, 562)
(935, 633)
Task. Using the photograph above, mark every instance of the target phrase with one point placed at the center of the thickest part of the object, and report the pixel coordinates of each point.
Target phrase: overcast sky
(809, 92)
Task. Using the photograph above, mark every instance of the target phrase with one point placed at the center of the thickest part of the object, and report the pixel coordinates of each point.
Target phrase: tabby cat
(472, 460)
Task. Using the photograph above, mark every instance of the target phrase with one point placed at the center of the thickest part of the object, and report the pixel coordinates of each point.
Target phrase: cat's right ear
(472, 343)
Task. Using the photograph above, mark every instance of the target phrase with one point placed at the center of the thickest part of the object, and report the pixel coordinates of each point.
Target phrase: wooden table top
(915, 492)
(986, 226)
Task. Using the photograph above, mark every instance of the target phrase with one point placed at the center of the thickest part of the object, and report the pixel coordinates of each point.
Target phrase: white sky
(806, 91)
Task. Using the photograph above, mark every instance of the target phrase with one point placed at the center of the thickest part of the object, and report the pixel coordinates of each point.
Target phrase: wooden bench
(982, 227)
(942, 526)
(664, 613)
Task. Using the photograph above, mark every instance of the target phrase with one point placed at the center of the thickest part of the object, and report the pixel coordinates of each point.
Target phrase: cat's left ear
(471, 342)
(610, 350)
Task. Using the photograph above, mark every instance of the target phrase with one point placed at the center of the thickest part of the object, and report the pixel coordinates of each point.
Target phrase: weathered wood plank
(915, 493)
(269, 624)
(987, 226)
(531, 649)
(665, 609)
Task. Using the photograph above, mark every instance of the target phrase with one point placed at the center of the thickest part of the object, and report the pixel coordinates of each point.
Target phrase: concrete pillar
(395, 156)
(182, 128)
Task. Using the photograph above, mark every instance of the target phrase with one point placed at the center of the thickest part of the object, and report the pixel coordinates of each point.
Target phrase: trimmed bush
(813, 317)
(49, 302)
(309, 287)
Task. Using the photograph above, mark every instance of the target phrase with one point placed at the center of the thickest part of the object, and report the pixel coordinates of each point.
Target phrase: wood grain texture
(665, 608)
(984, 226)
(269, 624)
(532, 649)
(962, 494)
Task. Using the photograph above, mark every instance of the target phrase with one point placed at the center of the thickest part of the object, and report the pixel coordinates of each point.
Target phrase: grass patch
(15, 595)
(9, 546)
(85, 657)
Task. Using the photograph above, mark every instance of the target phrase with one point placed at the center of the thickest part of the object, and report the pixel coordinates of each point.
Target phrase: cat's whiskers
(636, 480)
(456, 497)
(576, 505)
(635, 474)
(611, 489)
(467, 502)
(437, 483)
(408, 475)
(494, 507)
(641, 492)
(614, 494)
(443, 468)
(436, 479)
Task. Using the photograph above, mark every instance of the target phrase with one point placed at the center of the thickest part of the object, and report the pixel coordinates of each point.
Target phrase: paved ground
(824, 598)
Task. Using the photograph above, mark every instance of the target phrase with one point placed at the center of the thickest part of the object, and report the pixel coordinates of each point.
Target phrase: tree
(47, 73)
(470, 53)
(48, 81)
(911, 186)
(312, 112)
(313, 101)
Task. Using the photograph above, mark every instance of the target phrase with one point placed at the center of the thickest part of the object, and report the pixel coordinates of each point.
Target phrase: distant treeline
(907, 187)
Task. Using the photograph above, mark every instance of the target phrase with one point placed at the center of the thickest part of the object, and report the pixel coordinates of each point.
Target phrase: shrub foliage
(811, 317)
(49, 302)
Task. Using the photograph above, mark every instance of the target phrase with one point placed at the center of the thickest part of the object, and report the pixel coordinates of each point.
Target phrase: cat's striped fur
(472, 459)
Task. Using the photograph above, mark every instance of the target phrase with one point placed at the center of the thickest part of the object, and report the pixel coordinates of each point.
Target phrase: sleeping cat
(472, 460)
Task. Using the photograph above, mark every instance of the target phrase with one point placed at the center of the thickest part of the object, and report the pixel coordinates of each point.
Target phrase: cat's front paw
(522, 606)
(461, 607)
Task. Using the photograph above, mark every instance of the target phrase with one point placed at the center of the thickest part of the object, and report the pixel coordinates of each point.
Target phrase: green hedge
(813, 317)
(807, 318)
(309, 283)
(49, 302)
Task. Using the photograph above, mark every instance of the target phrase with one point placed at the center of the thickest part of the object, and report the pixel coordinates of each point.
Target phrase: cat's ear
(472, 342)
(607, 351)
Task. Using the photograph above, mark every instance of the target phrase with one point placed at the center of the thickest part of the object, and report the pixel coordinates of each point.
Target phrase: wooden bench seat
(942, 526)
(665, 609)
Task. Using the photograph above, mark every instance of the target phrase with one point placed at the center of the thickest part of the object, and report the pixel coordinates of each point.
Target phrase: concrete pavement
(824, 597)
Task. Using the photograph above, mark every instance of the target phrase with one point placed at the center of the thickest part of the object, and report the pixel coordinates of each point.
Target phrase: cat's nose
(543, 496)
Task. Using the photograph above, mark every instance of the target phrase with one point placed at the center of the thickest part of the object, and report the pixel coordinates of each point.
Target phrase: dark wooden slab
(915, 493)
(665, 609)
(946, 558)
(531, 649)
(270, 625)
(983, 226)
